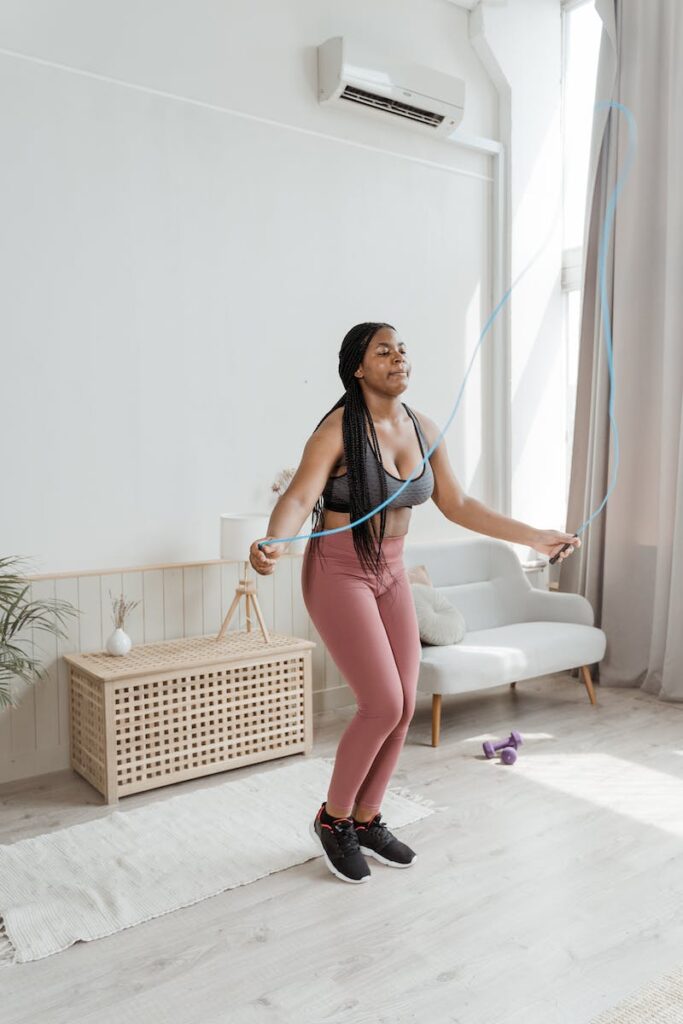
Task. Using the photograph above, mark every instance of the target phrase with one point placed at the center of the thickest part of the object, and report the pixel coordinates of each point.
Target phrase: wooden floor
(544, 891)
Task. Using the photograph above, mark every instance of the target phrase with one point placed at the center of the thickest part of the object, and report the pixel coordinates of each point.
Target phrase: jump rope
(606, 229)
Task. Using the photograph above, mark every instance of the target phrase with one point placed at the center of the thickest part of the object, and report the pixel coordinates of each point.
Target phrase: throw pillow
(439, 621)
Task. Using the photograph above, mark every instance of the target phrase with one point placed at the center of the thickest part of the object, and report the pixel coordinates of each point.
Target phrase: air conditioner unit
(430, 100)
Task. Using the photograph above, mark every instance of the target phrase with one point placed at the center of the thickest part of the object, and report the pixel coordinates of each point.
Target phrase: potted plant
(16, 614)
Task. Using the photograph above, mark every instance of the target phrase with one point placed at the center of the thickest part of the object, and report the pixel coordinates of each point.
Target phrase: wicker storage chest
(179, 709)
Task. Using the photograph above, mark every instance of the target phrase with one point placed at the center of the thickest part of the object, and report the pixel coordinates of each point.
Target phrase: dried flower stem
(120, 609)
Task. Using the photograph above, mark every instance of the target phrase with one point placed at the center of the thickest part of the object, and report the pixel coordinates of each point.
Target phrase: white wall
(179, 278)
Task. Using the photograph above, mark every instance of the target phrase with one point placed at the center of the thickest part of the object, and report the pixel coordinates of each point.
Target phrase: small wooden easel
(247, 589)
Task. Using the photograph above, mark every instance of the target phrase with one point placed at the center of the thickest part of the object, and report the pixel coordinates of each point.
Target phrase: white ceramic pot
(119, 642)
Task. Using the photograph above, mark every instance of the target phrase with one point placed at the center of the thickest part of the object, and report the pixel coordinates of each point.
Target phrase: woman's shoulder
(330, 433)
(332, 421)
(332, 424)
(428, 426)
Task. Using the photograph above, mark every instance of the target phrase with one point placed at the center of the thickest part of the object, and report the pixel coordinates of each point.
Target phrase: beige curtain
(630, 565)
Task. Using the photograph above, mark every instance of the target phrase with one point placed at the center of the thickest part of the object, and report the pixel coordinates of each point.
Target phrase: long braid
(355, 416)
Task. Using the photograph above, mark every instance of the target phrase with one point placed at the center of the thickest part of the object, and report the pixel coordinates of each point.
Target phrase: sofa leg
(588, 683)
(436, 718)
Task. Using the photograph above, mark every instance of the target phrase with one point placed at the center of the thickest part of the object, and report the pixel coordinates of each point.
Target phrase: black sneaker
(340, 847)
(377, 841)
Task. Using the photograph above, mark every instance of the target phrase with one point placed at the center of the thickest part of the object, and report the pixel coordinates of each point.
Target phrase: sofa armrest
(548, 606)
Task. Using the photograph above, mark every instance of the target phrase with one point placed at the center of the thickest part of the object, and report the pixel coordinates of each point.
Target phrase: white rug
(660, 1002)
(93, 879)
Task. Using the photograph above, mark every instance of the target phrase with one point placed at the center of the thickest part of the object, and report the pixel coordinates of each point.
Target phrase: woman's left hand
(549, 542)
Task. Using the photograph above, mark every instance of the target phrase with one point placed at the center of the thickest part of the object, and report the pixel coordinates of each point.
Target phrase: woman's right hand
(264, 559)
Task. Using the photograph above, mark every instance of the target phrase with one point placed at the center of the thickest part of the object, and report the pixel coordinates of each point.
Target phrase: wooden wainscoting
(176, 600)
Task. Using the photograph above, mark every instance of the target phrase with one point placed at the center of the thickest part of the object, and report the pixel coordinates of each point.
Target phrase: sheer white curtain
(630, 565)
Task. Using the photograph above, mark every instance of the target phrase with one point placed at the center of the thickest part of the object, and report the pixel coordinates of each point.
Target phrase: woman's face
(384, 357)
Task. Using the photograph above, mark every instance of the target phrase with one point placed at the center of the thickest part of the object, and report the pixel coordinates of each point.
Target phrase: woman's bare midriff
(396, 524)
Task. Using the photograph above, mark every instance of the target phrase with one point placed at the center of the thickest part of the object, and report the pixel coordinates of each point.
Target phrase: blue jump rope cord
(609, 216)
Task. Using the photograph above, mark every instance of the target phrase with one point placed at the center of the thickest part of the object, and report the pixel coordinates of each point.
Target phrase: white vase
(119, 642)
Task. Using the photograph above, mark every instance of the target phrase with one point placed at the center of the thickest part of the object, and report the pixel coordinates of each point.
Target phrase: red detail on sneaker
(324, 808)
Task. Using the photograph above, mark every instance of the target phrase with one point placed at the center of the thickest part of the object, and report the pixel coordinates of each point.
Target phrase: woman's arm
(482, 519)
(460, 508)
(322, 449)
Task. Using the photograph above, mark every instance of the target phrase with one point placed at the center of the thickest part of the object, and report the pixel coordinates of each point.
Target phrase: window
(581, 34)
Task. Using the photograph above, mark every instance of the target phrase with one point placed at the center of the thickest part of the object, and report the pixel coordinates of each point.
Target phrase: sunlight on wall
(582, 32)
(583, 29)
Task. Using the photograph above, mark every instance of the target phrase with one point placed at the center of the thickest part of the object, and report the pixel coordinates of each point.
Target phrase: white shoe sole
(344, 878)
(383, 860)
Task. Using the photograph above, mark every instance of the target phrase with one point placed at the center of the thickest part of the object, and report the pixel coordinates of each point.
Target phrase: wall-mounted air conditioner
(419, 96)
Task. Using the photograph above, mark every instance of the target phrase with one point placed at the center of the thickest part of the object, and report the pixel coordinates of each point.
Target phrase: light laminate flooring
(544, 891)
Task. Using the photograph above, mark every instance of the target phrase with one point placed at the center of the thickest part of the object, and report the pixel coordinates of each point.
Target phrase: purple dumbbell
(513, 741)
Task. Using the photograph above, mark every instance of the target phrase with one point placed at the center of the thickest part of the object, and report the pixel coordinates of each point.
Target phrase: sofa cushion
(439, 621)
(491, 657)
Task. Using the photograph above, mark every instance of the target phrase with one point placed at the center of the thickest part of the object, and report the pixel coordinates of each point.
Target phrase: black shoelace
(380, 832)
(346, 836)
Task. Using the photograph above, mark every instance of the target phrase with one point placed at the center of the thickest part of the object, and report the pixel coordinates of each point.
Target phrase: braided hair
(354, 418)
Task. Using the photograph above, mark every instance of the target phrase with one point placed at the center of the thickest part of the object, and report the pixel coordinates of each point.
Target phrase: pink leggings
(371, 632)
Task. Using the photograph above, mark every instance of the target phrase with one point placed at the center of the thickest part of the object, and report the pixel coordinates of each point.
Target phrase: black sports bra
(336, 493)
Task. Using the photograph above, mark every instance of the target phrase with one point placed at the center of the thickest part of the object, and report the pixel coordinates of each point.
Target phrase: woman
(354, 583)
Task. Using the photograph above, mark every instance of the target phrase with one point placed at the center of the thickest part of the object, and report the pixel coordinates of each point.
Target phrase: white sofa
(514, 630)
